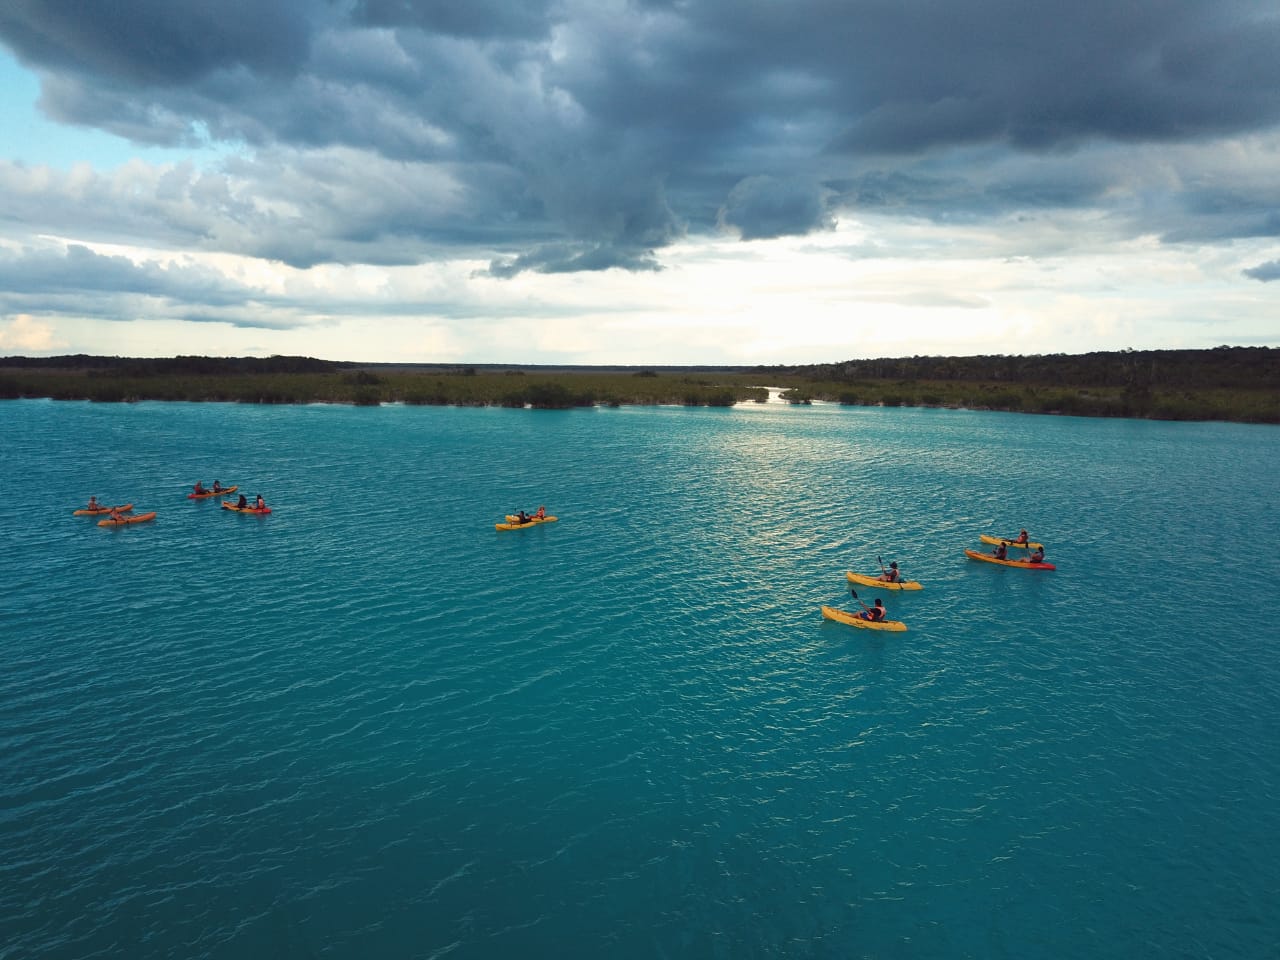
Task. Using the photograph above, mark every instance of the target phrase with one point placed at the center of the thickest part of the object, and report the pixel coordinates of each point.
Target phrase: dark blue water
(370, 725)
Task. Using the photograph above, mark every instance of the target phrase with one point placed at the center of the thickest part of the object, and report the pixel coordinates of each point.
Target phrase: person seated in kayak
(116, 514)
(1001, 551)
(1022, 537)
(891, 575)
(875, 613)
(522, 517)
(217, 486)
(260, 504)
(93, 503)
(1037, 555)
(541, 513)
(243, 503)
(200, 488)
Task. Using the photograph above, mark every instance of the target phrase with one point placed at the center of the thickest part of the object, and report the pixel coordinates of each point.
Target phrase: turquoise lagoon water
(370, 725)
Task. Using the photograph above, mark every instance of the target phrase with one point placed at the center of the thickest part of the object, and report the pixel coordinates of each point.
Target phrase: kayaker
(1037, 555)
(876, 612)
(200, 488)
(217, 486)
(541, 514)
(522, 517)
(1001, 551)
(93, 503)
(1022, 537)
(260, 504)
(891, 575)
(243, 504)
(116, 514)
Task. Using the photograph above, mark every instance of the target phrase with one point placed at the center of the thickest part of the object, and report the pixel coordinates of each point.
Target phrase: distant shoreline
(1233, 384)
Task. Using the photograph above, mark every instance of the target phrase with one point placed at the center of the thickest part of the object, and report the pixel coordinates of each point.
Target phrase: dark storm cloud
(763, 207)
(587, 135)
(78, 269)
(159, 42)
(78, 282)
(476, 18)
(1266, 272)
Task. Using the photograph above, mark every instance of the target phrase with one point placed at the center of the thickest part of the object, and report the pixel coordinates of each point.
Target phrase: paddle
(859, 599)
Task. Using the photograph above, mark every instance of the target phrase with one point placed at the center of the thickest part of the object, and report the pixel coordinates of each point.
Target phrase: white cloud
(24, 332)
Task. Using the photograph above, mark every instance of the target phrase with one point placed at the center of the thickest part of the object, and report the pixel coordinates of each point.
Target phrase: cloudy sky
(643, 182)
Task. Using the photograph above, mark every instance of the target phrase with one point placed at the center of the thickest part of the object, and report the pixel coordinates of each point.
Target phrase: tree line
(1225, 383)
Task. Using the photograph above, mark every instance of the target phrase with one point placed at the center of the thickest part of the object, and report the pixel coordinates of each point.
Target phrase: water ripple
(372, 725)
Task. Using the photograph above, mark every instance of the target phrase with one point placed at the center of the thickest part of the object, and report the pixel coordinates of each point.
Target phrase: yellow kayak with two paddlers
(1011, 541)
(513, 522)
(1025, 564)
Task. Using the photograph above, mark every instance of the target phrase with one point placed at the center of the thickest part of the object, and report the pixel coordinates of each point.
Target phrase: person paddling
(93, 503)
(891, 575)
(1037, 555)
(876, 613)
(1002, 551)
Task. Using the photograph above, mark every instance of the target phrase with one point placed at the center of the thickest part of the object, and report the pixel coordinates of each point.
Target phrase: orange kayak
(125, 521)
(85, 512)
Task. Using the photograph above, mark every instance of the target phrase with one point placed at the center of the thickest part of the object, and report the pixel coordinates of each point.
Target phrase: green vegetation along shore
(1226, 383)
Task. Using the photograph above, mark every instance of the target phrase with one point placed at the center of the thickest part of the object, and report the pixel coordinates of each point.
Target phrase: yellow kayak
(856, 620)
(220, 492)
(996, 541)
(868, 580)
(513, 522)
(1025, 564)
(228, 505)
